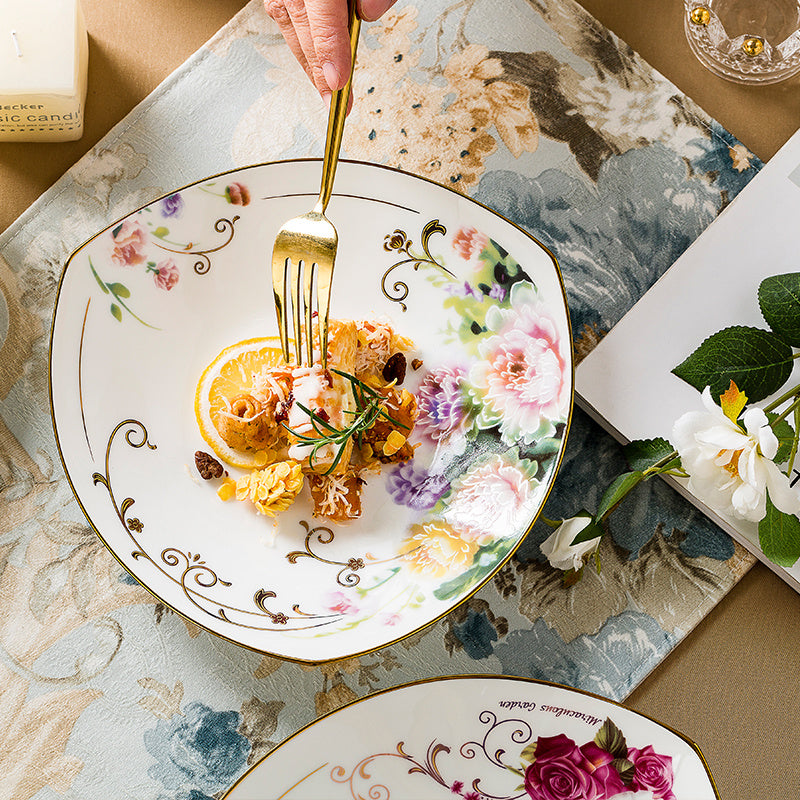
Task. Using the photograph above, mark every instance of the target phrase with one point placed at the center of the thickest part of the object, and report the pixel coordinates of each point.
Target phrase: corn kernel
(227, 489)
(393, 443)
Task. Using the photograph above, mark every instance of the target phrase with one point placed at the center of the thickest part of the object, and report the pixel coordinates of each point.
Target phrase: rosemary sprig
(369, 407)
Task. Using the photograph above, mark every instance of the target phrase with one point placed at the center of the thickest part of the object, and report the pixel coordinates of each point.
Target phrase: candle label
(58, 117)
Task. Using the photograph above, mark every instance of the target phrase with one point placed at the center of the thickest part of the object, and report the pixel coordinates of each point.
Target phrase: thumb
(370, 10)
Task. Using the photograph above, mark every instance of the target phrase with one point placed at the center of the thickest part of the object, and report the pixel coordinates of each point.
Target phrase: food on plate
(289, 425)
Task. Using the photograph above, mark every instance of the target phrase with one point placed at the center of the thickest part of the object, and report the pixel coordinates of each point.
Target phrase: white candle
(43, 61)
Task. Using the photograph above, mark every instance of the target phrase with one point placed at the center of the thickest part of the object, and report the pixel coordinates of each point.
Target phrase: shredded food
(327, 426)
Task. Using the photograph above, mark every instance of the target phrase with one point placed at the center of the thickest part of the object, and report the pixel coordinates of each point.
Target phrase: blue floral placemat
(541, 114)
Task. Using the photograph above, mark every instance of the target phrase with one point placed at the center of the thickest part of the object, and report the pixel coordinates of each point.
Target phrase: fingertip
(371, 10)
(332, 76)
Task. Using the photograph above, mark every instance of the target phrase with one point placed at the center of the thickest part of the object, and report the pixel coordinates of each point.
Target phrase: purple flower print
(416, 488)
(498, 292)
(464, 290)
(441, 402)
(172, 206)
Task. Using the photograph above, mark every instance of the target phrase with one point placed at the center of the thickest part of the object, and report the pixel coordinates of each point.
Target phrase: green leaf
(161, 232)
(641, 454)
(591, 531)
(625, 768)
(785, 435)
(617, 491)
(529, 753)
(779, 299)
(116, 230)
(461, 584)
(779, 536)
(759, 362)
(119, 289)
(116, 311)
(610, 739)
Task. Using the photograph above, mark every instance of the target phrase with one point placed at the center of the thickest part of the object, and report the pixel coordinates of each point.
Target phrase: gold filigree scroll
(400, 242)
(189, 570)
(363, 782)
(136, 436)
(347, 575)
(203, 263)
(377, 791)
(492, 746)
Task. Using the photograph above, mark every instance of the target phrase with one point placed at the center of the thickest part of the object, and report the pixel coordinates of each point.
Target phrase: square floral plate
(147, 303)
(481, 738)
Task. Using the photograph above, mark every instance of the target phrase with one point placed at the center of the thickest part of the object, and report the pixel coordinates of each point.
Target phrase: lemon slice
(230, 374)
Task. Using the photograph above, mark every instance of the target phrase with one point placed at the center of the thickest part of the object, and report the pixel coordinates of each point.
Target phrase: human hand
(316, 32)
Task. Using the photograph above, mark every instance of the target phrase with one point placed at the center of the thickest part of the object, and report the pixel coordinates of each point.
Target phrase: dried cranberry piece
(395, 369)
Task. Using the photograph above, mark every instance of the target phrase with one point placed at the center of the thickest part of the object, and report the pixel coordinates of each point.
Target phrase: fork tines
(295, 296)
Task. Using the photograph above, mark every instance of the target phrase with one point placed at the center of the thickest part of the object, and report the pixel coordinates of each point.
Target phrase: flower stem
(793, 452)
(788, 410)
(655, 469)
(783, 398)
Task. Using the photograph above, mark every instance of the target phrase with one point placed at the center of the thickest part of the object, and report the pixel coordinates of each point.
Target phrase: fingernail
(371, 11)
(331, 75)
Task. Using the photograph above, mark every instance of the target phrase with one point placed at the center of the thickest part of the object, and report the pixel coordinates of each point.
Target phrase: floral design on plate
(484, 737)
(483, 303)
(136, 241)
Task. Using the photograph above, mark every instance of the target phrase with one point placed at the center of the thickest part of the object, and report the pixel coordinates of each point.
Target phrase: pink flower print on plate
(237, 194)
(560, 771)
(166, 274)
(522, 379)
(342, 604)
(469, 242)
(130, 240)
(652, 772)
(491, 501)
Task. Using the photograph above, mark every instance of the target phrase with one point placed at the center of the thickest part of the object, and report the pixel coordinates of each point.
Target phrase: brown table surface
(731, 686)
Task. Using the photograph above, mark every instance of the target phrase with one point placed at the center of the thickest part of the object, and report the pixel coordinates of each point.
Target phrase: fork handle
(336, 117)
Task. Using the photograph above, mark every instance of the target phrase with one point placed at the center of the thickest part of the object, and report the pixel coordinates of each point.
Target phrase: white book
(626, 382)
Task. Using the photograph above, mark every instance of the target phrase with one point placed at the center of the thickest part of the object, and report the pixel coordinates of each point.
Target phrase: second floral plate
(486, 737)
(147, 303)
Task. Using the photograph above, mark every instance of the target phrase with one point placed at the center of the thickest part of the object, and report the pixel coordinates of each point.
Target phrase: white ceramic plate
(148, 302)
(477, 738)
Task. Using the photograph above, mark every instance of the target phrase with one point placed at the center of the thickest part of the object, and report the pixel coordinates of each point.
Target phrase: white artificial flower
(730, 467)
(558, 547)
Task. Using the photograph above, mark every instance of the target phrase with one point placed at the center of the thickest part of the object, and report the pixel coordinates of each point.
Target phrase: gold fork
(305, 247)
